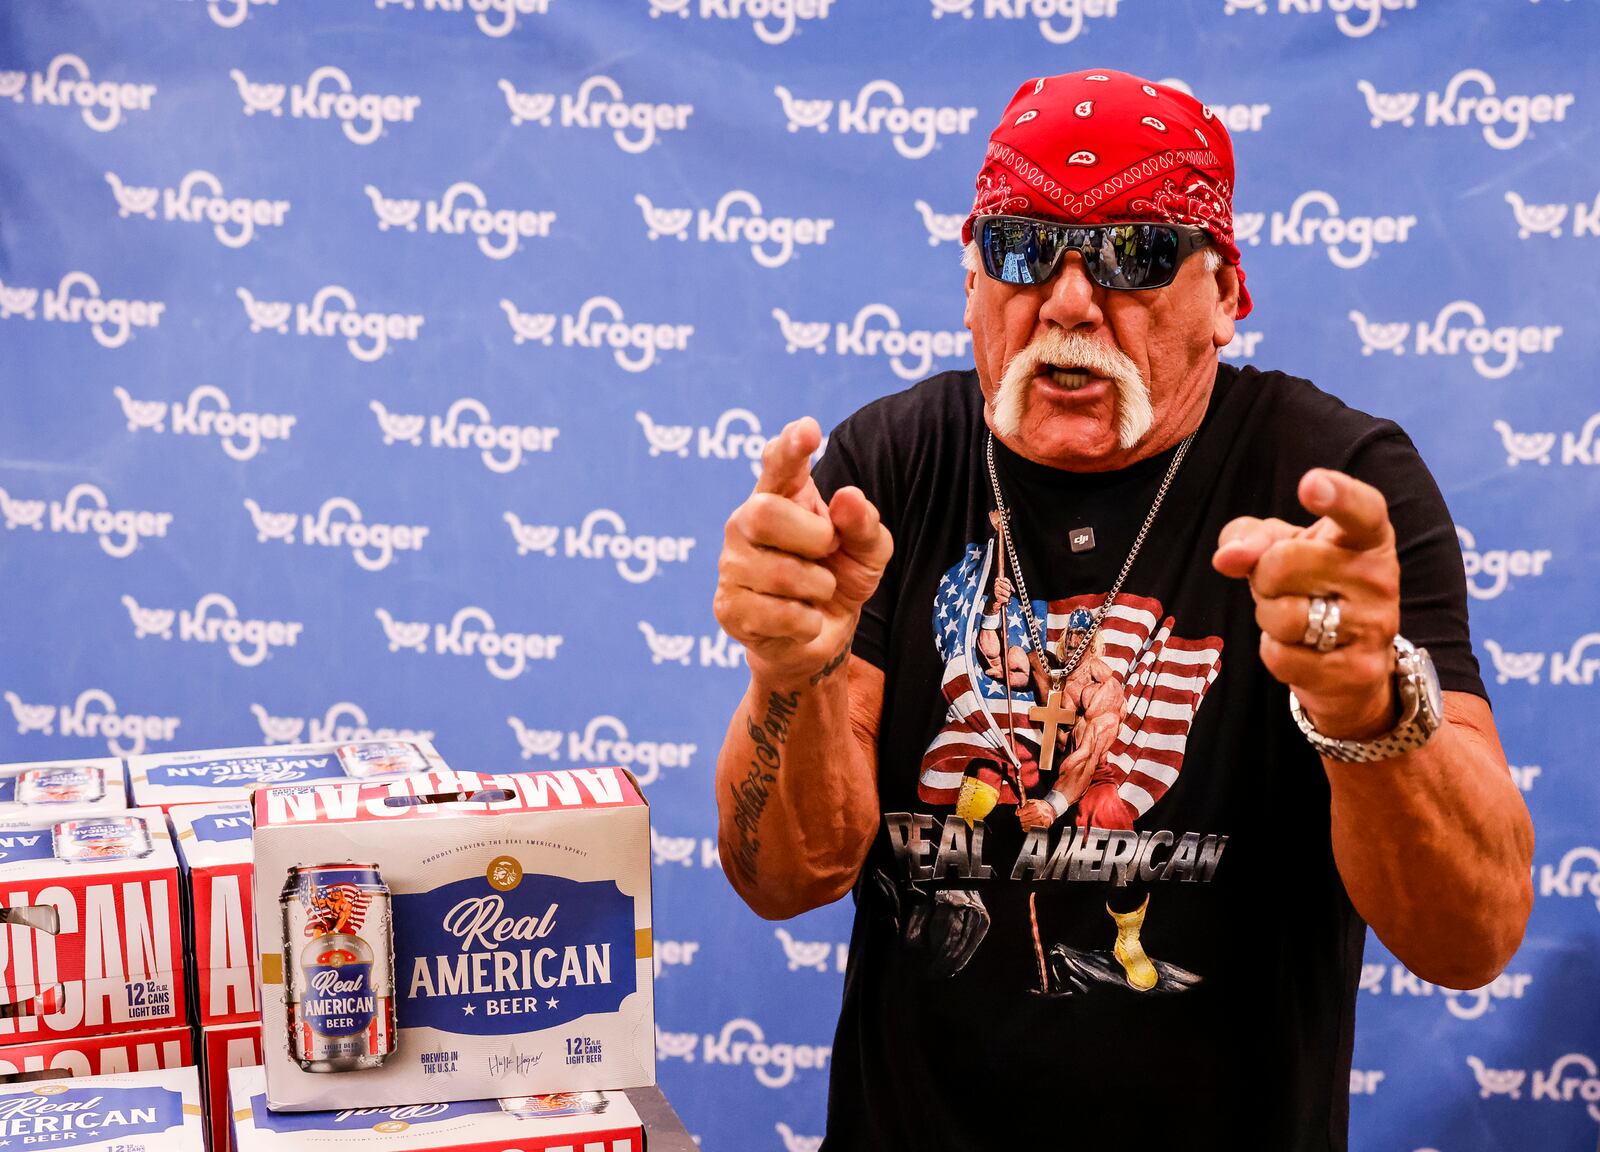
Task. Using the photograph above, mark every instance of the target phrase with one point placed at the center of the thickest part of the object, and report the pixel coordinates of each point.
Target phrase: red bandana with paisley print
(1103, 146)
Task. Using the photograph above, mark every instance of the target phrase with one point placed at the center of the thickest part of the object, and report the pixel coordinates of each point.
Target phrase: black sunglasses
(1128, 257)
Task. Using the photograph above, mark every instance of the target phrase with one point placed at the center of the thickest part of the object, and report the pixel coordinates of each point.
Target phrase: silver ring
(1330, 628)
(1314, 618)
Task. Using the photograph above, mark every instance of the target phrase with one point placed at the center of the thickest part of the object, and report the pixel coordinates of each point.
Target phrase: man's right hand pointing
(794, 570)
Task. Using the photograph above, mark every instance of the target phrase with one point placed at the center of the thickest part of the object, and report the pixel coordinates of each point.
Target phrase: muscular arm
(797, 794)
(1436, 847)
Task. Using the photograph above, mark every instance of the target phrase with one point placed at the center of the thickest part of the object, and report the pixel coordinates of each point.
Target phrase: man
(1169, 959)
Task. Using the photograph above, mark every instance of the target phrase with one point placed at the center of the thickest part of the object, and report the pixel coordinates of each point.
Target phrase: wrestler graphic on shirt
(1095, 691)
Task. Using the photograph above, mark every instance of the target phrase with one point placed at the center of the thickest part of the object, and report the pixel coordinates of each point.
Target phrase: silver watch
(1421, 712)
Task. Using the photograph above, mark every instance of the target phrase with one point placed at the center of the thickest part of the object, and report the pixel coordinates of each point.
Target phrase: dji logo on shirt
(1082, 539)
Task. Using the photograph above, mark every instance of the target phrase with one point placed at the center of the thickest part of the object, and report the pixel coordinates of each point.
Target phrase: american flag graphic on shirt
(1165, 679)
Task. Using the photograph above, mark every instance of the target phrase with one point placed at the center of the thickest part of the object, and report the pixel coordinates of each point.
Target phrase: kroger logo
(604, 740)
(249, 641)
(1578, 875)
(1314, 218)
(719, 651)
(464, 211)
(1523, 775)
(742, 1042)
(66, 83)
(725, 226)
(1243, 345)
(86, 512)
(633, 126)
(208, 412)
(736, 435)
(1574, 666)
(339, 523)
(911, 351)
(472, 632)
(344, 319)
(1074, 12)
(943, 227)
(684, 850)
(94, 715)
(1546, 219)
(467, 424)
(111, 319)
(915, 130)
(787, 14)
(1490, 571)
(341, 724)
(674, 953)
(600, 324)
(1398, 980)
(1234, 117)
(494, 17)
(1576, 447)
(603, 536)
(1369, 13)
(1444, 337)
(328, 95)
(199, 199)
(1573, 1078)
(817, 955)
(232, 13)
(1482, 106)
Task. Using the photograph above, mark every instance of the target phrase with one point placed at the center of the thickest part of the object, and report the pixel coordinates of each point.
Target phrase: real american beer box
(214, 852)
(93, 935)
(101, 1055)
(216, 774)
(223, 1047)
(418, 946)
(562, 1122)
(129, 1112)
(62, 788)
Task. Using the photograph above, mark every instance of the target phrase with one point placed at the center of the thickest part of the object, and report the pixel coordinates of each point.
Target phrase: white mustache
(1061, 349)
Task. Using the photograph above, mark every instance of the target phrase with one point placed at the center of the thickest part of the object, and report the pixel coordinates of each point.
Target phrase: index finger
(1354, 514)
(785, 462)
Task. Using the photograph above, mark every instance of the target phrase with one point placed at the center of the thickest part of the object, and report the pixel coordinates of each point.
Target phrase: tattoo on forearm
(750, 795)
(831, 666)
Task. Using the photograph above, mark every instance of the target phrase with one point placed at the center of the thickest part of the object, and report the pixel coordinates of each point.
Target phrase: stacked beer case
(481, 981)
(451, 961)
(92, 981)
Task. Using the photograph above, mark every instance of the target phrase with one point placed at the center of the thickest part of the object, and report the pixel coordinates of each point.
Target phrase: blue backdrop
(394, 365)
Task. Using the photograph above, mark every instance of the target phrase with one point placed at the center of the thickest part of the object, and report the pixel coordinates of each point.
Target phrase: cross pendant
(1054, 713)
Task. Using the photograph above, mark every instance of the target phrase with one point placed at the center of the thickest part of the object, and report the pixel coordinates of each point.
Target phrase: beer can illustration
(67, 784)
(372, 758)
(101, 838)
(555, 1104)
(338, 963)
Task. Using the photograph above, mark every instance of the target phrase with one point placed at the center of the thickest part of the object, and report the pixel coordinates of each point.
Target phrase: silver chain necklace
(1059, 674)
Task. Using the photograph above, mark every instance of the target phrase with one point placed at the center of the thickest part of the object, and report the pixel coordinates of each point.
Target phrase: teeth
(1070, 378)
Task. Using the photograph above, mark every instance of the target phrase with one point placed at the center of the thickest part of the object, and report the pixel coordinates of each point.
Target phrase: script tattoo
(750, 795)
(831, 666)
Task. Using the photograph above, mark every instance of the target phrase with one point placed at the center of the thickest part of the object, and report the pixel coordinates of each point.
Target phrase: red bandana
(1099, 147)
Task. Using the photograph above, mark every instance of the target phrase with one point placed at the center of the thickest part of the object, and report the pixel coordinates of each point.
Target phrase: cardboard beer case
(156, 1111)
(217, 774)
(91, 927)
(102, 1055)
(214, 851)
(224, 1047)
(563, 1122)
(420, 946)
(58, 789)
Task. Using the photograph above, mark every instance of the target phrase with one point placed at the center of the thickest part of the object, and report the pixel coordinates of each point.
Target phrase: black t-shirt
(1186, 982)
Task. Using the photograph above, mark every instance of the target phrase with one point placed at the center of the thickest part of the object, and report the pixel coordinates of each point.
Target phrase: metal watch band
(1411, 734)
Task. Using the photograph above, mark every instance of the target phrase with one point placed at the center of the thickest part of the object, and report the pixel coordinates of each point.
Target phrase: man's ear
(1227, 304)
(968, 284)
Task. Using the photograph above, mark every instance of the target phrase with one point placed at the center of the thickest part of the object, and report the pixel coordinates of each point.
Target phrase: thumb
(864, 544)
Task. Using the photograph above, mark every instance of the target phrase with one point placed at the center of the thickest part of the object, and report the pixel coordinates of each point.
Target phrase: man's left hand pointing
(1349, 553)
